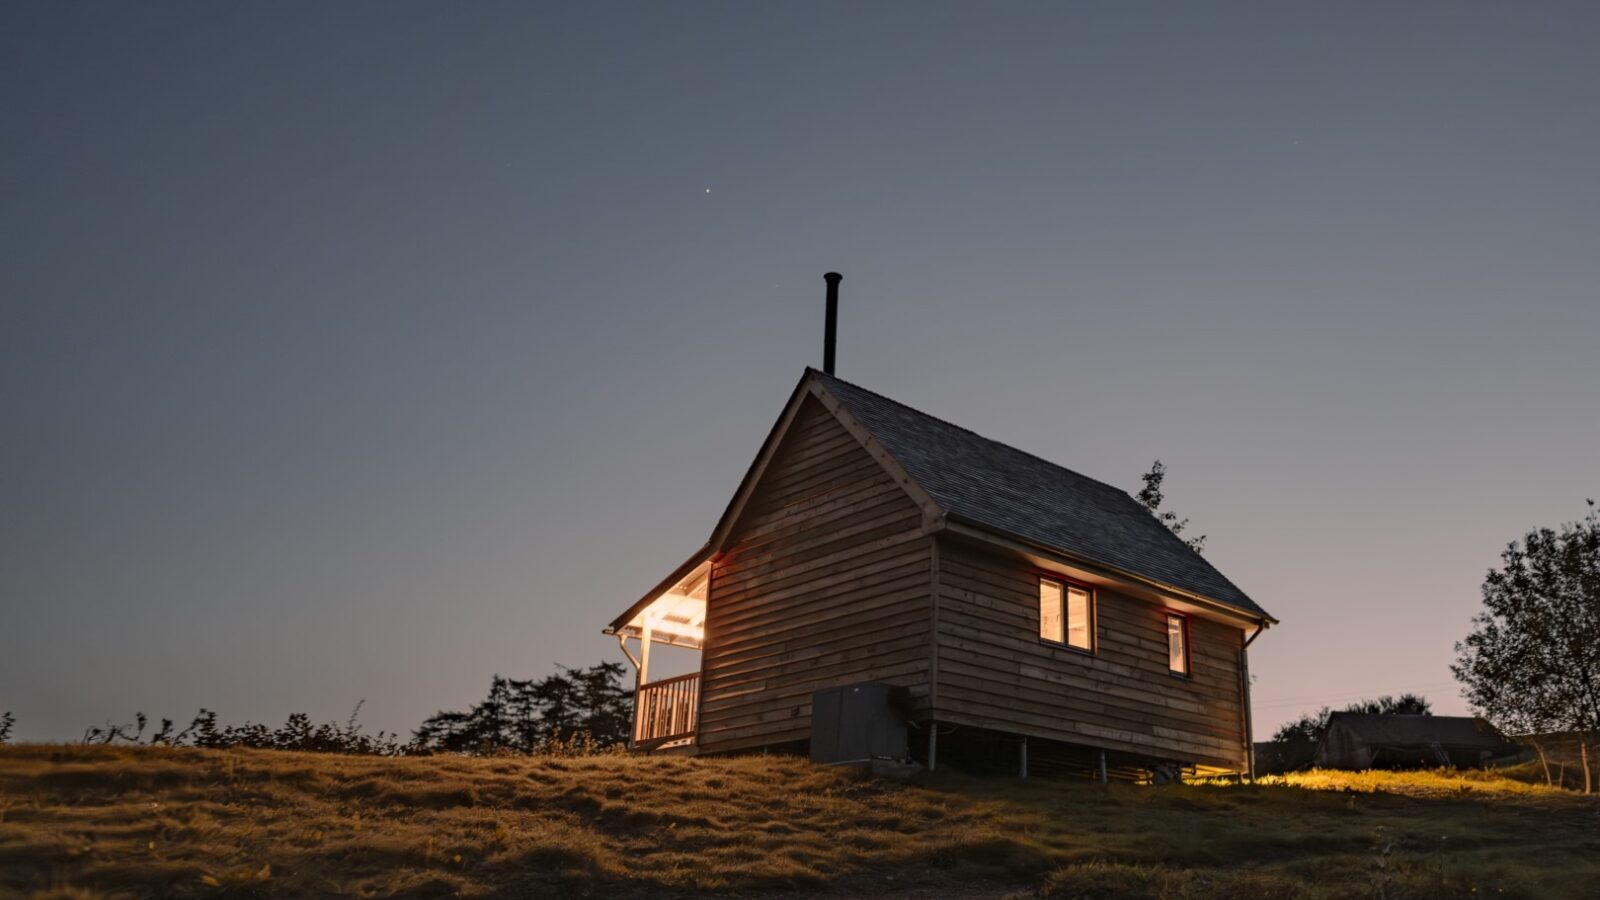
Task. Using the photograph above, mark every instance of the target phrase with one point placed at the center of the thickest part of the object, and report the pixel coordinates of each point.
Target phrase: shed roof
(1006, 490)
(1398, 729)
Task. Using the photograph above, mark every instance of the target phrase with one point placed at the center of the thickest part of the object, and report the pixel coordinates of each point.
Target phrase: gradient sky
(361, 351)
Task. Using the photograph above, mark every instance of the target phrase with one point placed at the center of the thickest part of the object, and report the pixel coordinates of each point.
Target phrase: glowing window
(1178, 644)
(1078, 633)
(1049, 609)
(1066, 614)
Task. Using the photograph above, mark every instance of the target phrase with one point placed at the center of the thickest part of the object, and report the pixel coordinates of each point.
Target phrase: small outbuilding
(1393, 741)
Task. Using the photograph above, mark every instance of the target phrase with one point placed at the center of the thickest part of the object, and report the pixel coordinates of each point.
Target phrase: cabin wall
(827, 581)
(994, 672)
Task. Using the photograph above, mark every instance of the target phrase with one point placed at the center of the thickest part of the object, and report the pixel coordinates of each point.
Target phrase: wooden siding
(826, 581)
(994, 672)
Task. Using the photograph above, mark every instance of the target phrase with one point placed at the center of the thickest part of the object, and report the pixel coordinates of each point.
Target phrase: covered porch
(664, 623)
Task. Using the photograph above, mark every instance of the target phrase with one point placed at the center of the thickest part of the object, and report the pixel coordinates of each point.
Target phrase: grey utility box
(858, 723)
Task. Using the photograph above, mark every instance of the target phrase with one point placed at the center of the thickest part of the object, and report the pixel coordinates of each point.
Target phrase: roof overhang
(674, 610)
(1119, 579)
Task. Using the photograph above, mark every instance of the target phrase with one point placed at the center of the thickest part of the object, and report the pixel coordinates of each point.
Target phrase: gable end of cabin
(823, 580)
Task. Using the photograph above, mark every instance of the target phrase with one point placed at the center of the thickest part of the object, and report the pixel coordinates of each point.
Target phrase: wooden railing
(666, 710)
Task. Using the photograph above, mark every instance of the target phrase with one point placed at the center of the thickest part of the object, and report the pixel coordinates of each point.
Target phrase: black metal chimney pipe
(832, 328)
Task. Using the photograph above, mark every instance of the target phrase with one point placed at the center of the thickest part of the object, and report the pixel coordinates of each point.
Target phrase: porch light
(677, 615)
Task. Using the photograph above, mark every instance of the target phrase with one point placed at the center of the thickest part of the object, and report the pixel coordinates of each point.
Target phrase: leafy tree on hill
(1150, 496)
(1312, 726)
(1532, 660)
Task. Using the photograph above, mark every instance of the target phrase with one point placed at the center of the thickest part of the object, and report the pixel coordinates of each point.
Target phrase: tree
(1312, 726)
(444, 730)
(560, 701)
(491, 718)
(1150, 496)
(527, 721)
(589, 706)
(607, 706)
(1532, 659)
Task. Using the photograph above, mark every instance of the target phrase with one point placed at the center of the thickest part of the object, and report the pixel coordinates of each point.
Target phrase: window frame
(1188, 645)
(1041, 576)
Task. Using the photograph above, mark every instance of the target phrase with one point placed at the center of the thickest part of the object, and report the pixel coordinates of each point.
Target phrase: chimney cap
(834, 277)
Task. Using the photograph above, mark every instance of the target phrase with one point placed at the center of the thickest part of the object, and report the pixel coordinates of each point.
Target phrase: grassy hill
(107, 821)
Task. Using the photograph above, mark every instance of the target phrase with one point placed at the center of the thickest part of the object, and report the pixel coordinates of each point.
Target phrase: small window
(1066, 614)
(1078, 633)
(1178, 644)
(1050, 609)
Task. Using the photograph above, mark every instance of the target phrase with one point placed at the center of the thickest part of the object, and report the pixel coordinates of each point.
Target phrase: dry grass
(1488, 783)
(88, 822)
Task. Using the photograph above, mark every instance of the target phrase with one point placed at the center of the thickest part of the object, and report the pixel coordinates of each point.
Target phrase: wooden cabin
(1029, 612)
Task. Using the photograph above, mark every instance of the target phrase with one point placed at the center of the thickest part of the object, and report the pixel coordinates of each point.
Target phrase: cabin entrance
(668, 633)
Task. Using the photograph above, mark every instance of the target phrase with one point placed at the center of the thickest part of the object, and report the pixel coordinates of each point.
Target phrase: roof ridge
(1013, 449)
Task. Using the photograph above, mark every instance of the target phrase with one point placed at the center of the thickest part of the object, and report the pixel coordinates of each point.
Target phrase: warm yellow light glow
(1078, 618)
(1064, 614)
(1050, 609)
(678, 613)
(1177, 645)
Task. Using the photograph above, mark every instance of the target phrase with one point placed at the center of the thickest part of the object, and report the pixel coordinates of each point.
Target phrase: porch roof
(675, 609)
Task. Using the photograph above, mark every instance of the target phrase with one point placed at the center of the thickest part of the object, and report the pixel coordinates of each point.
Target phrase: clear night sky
(363, 351)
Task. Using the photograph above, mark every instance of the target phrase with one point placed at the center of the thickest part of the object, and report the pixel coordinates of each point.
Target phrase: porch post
(642, 679)
(933, 745)
(644, 652)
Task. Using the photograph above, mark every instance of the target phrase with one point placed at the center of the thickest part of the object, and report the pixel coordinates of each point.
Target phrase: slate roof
(1000, 488)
